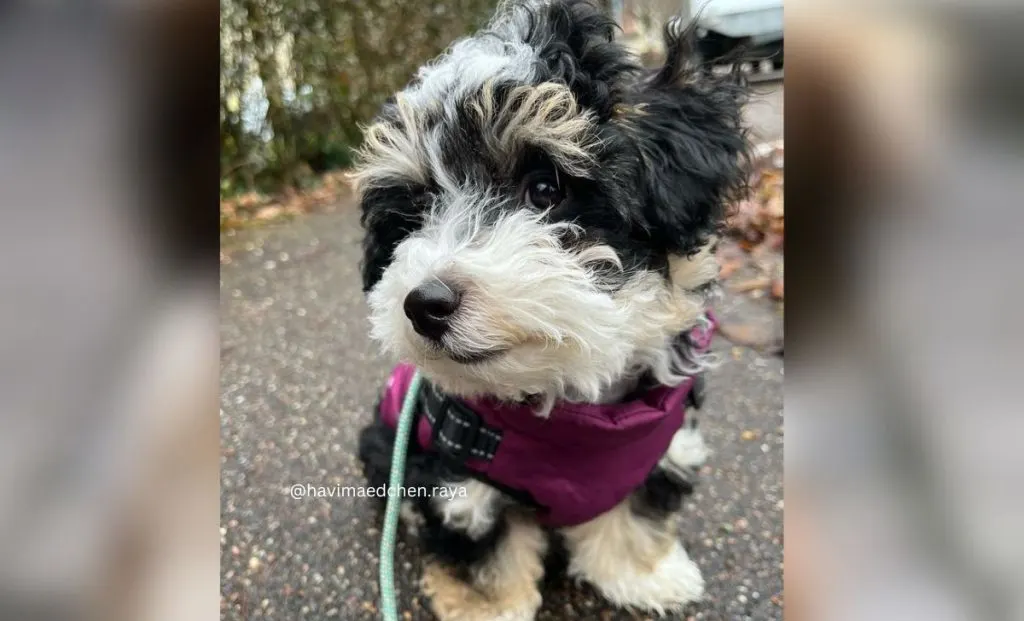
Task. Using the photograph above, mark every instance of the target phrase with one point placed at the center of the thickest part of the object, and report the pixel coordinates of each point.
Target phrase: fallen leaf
(751, 285)
(729, 267)
(747, 335)
(756, 225)
(269, 213)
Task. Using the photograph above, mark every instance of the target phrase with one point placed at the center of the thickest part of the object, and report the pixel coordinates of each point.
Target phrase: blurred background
(298, 78)
(904, 472)
(108, 310)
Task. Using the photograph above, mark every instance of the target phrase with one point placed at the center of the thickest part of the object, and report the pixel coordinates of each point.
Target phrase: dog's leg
(501, 584)
(632, 553)
(502, 587)
(686, 454)
(487, 560)
(633, 560)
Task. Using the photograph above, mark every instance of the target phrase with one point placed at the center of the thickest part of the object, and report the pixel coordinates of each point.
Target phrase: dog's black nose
(430, 307)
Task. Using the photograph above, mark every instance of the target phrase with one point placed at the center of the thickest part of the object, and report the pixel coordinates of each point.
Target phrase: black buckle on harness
(457, 432)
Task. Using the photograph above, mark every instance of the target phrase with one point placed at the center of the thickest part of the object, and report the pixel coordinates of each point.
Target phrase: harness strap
(457, 431)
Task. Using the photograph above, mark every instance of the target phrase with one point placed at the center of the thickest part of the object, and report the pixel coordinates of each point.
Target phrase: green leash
(388, 594)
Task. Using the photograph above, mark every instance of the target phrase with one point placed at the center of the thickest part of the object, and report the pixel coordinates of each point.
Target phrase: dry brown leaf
(270, 212)
(752, 285)
(748, 335)
(728, 267)
(748, 244)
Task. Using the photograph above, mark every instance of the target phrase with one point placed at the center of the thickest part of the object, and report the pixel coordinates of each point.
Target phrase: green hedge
(298, 78)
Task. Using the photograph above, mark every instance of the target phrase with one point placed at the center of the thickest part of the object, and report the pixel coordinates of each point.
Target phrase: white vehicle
(755, 26)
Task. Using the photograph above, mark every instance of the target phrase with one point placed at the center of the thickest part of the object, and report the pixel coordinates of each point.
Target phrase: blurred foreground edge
(903, 467)
(109, 185)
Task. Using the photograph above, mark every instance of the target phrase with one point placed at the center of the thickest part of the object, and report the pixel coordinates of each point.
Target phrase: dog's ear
(687, 127)
(389, 214)
(575, 43)
(391, 184)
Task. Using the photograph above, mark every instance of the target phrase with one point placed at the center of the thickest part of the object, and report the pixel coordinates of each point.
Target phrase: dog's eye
(543, 191)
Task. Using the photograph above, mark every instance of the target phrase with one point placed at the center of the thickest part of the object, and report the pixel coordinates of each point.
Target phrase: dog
(540, 215)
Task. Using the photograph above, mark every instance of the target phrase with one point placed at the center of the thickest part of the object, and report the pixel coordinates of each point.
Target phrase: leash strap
(388, 593)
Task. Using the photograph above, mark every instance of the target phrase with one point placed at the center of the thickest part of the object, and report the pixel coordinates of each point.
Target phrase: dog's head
(539, 211)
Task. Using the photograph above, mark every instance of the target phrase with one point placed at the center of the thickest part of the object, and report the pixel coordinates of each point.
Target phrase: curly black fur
(661, 495)
(672, 149)
(389, 214)
(692, 127)
(575, 42)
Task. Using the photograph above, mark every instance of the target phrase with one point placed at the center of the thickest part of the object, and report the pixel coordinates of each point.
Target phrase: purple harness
(574, 465)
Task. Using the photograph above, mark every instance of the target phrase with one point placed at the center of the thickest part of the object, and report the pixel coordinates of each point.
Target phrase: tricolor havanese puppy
(540, 215)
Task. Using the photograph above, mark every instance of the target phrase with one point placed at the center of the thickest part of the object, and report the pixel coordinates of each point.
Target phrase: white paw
(675, 582)
(471, 507)
(523, 614)
(686, 454)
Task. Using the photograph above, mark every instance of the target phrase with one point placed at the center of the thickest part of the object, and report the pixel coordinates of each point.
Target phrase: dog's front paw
(673, 582)
(452, 599)
(687, 454)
